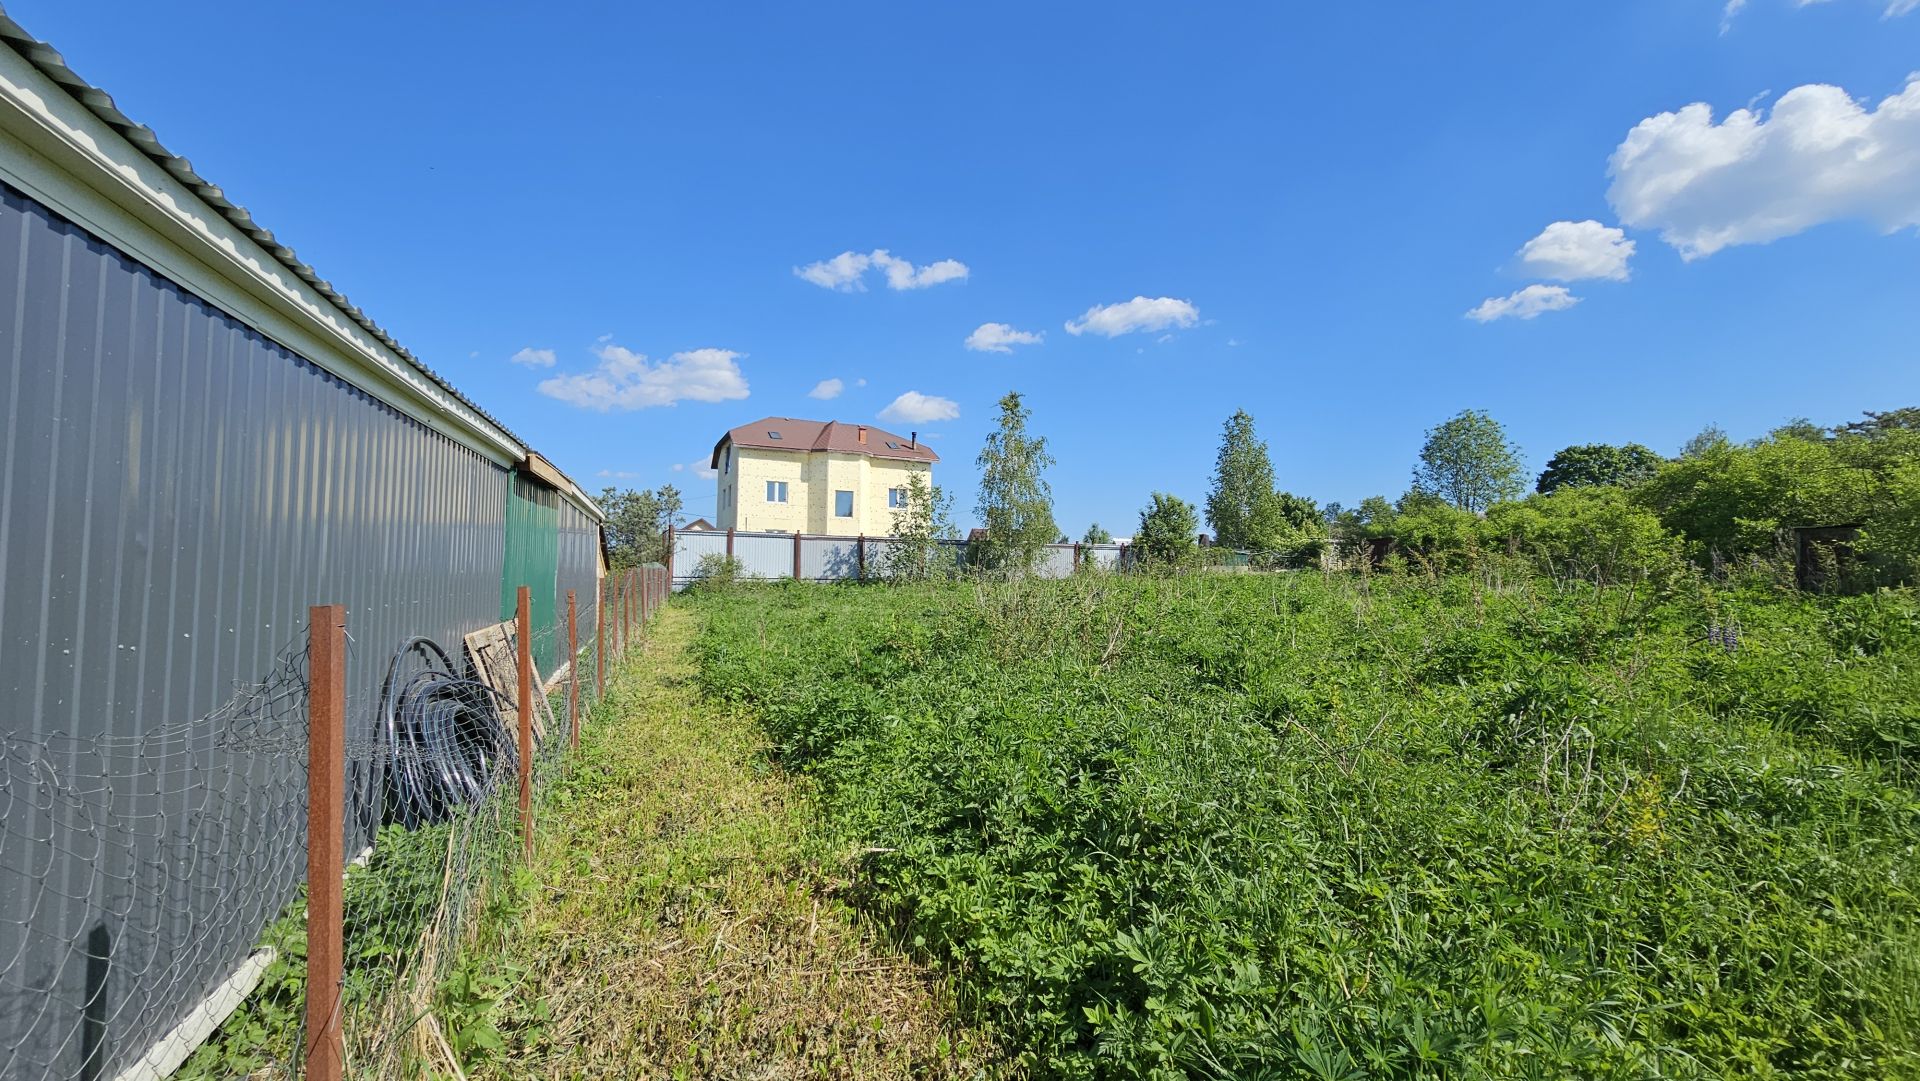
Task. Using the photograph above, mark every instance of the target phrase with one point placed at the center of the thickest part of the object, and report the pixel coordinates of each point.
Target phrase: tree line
(1603, 511)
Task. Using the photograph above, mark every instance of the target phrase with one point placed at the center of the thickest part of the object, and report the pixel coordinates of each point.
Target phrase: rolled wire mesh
(114, 850)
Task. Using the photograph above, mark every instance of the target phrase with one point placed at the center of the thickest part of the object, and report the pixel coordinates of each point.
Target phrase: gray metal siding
(580, 572)
(178, 490)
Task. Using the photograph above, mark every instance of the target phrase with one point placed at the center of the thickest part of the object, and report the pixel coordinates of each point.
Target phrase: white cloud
(827, 389)
(859, 382)
(535, 358)
(841, 272)
(626, 380)
(999, 338)
(1140, 313)
(902, 274)
(619, 474)
(846, 272)
(702, 468)
(1819, 156)
(1572, 250)
(1525, 303)
(920, 408)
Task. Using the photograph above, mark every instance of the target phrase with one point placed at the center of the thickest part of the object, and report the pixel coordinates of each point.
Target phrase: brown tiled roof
(791, 433)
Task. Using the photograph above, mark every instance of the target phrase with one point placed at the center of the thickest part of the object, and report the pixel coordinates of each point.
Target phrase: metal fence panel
(178, 490)
(828, 559)
(688, 547)
(764, 555)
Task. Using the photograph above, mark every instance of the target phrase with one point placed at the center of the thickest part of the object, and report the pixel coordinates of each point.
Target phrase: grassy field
(682, 918)
(1287, 826)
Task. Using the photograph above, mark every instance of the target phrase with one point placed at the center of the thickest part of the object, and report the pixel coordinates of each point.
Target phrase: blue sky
(1309, 199)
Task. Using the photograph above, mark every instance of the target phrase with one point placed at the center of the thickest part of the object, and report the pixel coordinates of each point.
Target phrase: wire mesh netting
(153, 888)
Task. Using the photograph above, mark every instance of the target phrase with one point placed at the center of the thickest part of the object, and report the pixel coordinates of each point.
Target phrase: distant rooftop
(792, 433)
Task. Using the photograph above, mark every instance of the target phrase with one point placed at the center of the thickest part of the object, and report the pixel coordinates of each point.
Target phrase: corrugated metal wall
(177, 491)
(579, 570)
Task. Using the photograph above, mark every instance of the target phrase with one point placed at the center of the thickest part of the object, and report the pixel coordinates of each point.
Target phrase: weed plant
(1295, 826)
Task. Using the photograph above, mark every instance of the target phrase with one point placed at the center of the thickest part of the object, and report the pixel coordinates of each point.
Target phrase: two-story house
(784, 475)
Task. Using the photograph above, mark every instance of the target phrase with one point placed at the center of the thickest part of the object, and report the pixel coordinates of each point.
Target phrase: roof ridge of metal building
(48, 61)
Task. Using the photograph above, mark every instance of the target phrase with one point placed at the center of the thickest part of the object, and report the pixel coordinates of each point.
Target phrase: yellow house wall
(755, 467)
(812, 479)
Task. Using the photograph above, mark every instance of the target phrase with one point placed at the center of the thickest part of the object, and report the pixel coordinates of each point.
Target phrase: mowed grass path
(680, 918)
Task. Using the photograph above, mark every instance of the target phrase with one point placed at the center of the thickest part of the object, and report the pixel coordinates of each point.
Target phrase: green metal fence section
(533, 559)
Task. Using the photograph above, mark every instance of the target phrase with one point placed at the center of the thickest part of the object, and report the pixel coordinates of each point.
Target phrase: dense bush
(1596, 533)
(1292, 826)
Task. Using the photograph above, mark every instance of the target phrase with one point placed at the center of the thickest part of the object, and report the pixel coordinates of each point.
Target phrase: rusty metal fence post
(523, 627)
(325, 1056)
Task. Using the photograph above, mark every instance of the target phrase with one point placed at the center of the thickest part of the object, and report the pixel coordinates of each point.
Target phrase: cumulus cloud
(702, 468)
(1818, 156)
(920, 408)
(535, 358)
(846, 272)
(827, 389)
(1573, 250)
(902, 274)
(1525, 303)
(1140, 313)
(627, 380)
(999, 338)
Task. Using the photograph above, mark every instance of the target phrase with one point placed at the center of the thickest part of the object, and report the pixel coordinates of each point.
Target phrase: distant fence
(822, 558)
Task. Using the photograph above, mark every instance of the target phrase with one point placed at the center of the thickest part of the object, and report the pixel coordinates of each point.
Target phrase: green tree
(1239, 506)
(637, 523)
(1710, 439)
(1096, 535)
(1469, 462)
(1016, 502)
(1166, 534)
(1879, 424)
(919, 526)
(1590, 464)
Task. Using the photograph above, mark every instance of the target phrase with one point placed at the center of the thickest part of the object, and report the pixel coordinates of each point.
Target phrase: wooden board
(491, 651)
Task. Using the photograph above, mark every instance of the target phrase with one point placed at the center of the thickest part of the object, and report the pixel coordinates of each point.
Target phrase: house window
(891, 445)
(896, 497)
(773, 435)
(776, 491)
(843, 504)
(726, 464)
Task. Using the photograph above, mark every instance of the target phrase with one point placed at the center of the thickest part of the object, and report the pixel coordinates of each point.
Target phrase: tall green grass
(1288, 826)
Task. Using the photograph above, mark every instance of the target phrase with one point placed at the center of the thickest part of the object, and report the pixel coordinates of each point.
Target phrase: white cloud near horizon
(535, 358)
(1576, 250)
(999, 338)
(920, 408)
(1817, 156)
(1140, 313)
(846, 272)
(827, 389)
(1524, 303)
(702, 468)
(626, 380)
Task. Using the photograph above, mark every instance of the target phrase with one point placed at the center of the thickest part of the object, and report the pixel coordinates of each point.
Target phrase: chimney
(913, 440)
(863, 434)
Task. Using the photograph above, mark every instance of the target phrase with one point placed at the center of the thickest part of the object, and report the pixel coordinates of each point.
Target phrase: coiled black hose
(446, 745)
